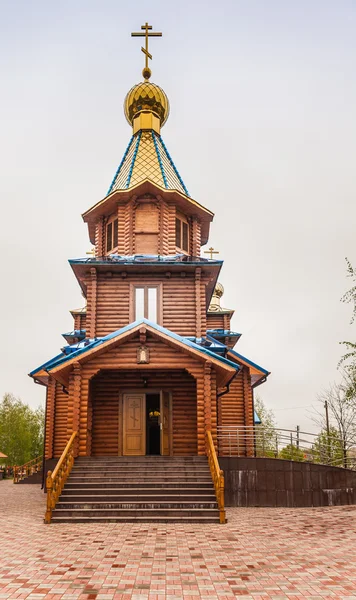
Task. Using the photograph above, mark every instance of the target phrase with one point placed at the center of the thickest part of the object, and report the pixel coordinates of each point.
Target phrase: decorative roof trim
(159, 160)
(120, 165)
(174, 167)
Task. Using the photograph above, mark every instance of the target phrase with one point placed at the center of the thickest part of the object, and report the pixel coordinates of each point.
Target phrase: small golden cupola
(146, 109)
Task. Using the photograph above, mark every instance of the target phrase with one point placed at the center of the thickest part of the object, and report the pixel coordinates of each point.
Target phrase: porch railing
(55, 481)
(217, 476)
(295, 445)
(29, 468)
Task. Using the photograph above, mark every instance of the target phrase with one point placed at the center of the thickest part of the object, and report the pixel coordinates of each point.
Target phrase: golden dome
(146, 96)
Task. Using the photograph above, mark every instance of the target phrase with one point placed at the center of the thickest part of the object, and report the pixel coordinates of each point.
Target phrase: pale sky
(262, 130)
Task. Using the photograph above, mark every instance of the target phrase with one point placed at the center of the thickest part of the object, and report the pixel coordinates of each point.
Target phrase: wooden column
(200, 414)
(93, 294)
(195, 237)
(76, 388)
(83, 415)
(213, 407)
(121, 214)
(100, 237)
(163, 227)
(172, 229)
(198, 328)
(131, 227)
(207, 396)
(50, 408)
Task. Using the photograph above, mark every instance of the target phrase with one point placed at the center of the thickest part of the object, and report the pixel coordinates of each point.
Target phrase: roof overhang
(186, 204)
(210, 268)
(258, 374)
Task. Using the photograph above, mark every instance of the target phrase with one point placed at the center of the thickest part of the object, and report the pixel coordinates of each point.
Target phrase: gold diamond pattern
(146, 164)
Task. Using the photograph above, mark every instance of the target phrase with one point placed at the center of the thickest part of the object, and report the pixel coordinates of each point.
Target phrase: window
(146, 303)
(112, 235)
(182, 237)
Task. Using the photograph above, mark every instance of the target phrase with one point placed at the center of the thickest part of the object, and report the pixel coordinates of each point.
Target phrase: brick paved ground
(260, 554)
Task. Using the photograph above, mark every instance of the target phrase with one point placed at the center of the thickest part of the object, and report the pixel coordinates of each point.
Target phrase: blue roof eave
(63, 358)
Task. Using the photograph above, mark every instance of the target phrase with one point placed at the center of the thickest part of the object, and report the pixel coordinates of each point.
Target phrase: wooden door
(165, 423)
(134, 425)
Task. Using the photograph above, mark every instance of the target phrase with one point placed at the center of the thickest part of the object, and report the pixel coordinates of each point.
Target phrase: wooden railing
(55, 481)
(29, 468)
(217, 475)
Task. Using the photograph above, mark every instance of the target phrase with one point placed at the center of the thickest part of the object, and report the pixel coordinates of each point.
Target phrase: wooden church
(149, 371)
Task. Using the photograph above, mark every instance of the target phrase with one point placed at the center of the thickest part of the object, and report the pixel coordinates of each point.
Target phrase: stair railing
(29, 468)
(55, 481)
(217, 476)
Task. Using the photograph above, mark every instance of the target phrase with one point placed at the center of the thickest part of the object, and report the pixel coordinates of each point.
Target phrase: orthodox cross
(91, 252)
(211, 251)
(147, 33)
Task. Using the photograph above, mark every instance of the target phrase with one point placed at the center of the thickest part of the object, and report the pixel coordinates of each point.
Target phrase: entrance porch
(142, 412)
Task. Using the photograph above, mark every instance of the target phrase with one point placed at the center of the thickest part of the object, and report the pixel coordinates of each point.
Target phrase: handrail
(289, 444)
(29, 468)
(217, 476)
(55, 481)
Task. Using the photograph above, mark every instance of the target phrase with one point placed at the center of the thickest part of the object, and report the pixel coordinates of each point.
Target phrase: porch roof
(258, 374)
(86, 348)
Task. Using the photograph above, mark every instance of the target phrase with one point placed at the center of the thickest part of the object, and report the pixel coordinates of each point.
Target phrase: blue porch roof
(84, 346)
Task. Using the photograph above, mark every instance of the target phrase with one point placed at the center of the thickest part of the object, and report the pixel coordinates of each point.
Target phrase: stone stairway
(156, 489)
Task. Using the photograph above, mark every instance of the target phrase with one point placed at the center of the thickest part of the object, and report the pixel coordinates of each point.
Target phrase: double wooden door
(134, 424)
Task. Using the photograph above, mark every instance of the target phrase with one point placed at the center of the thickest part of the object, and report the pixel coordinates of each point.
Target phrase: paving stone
(261, 554)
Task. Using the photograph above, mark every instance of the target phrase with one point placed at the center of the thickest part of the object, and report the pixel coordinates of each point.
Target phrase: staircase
(142, 489)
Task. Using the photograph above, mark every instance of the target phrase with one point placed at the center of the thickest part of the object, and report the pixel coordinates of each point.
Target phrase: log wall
(60, 436)
(183, 302)
(236, 407)
(147, 225)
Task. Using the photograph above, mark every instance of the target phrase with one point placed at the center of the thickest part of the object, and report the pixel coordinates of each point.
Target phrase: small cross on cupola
(147, 33)
(211, 251)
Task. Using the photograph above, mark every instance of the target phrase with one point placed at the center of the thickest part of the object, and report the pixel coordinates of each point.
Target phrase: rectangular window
(112, 235)
(115, 237)
(182, 235)
(185, 237)
(178, 232)
(146, 303)
(139, 303)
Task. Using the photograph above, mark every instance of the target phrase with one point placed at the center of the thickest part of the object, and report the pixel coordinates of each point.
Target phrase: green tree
(348, 360)
(21, 430)
(292, 452)
(265, 433)
(328, 449)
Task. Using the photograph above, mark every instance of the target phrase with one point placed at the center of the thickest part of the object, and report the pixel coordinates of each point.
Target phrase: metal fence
(301, 446)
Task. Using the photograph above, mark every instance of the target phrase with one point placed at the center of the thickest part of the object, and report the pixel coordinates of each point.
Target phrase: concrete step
(140, 492)
(142, 479)
(145, 459)
(137, 512)
(136, 505)
(101, 485)
(136, 519)
(138, 489)
(127, 498)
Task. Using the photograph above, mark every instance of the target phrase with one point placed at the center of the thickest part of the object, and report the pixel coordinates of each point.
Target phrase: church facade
(149, 366)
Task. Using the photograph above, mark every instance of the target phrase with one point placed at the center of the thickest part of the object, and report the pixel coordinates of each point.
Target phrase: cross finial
(211, 251)
(147, 33)
(91, 252)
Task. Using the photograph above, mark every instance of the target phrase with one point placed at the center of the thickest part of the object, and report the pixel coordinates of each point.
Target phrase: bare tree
(338, 410)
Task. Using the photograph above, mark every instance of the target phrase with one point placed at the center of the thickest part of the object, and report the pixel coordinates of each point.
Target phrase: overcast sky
(262, 130)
